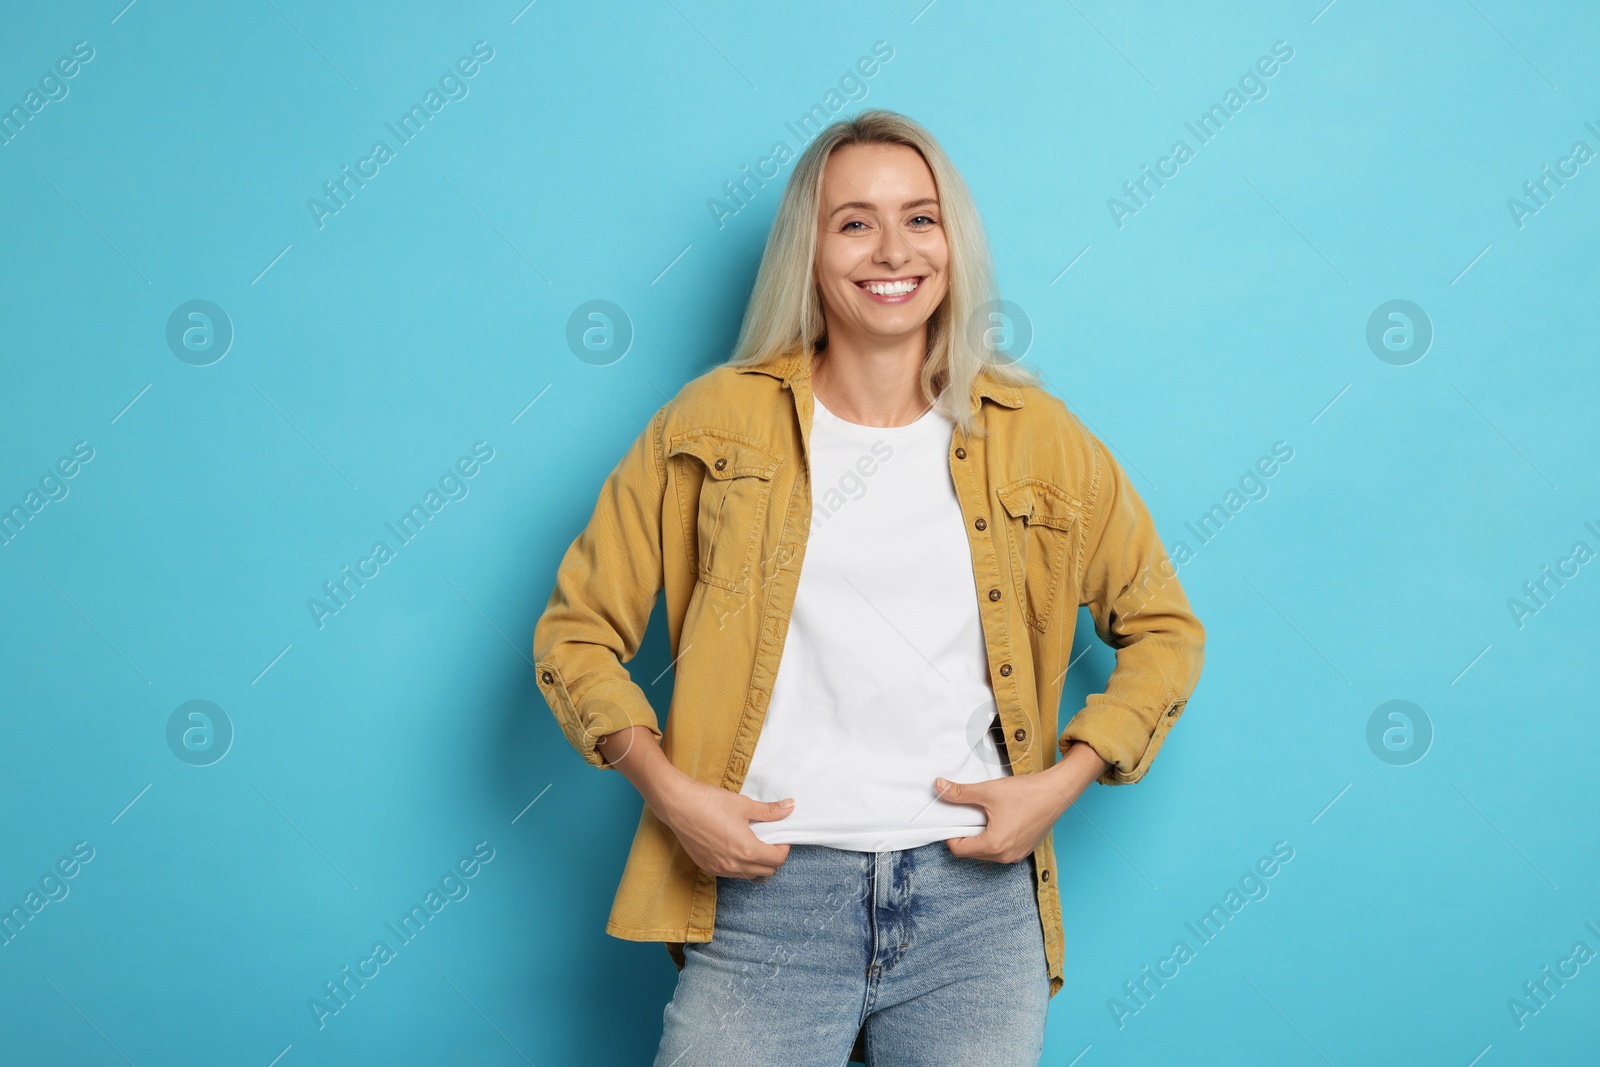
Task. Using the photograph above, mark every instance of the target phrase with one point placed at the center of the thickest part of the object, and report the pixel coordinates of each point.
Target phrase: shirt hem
(939, 834)
(627, 933)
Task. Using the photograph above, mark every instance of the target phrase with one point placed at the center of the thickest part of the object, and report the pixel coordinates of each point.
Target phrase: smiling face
(881, 248)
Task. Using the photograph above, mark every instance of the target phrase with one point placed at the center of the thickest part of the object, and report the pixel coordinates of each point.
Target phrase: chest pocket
(729, 510)
(1043, 535)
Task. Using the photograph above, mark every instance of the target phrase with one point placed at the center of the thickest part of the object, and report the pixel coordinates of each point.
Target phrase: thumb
(954, 792)
(771, 810)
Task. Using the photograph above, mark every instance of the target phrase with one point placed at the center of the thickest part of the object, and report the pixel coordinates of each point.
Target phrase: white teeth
(892, 288)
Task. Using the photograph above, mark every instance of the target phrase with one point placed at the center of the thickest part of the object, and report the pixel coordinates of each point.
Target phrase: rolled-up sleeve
(605, 589)
(1131, 589)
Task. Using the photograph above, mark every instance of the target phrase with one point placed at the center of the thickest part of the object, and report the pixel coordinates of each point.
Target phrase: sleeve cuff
(1121, 737)
(605, 709)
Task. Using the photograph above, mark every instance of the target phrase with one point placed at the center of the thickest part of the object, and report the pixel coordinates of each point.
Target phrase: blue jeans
(940, 959)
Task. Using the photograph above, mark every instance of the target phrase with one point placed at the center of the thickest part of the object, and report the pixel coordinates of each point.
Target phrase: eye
(853, 222)
(926, 218)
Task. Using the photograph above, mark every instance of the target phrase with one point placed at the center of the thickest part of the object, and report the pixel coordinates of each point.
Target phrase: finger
(958, 792)
(761, 857)
(760, 872)
(979, 846)
(769, 810)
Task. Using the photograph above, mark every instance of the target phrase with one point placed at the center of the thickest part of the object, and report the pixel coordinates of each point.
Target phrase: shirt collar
(792, 363)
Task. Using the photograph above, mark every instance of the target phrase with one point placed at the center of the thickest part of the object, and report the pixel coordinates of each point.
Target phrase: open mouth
(890, 291)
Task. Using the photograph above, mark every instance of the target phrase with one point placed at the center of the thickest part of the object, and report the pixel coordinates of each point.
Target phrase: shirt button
(1021, 734)
(981, 523)
(994, 594)
(721, 463)
(547, 677)
(961, 453)
(1005, 670)
(1044, 875)
(1171, 712)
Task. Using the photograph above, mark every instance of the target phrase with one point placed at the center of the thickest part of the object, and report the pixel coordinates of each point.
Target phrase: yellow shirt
(712, 503)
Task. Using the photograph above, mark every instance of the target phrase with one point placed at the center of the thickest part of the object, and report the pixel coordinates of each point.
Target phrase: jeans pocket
(731, 896)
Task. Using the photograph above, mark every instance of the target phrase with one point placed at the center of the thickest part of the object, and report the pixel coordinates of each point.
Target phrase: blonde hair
(785, 308)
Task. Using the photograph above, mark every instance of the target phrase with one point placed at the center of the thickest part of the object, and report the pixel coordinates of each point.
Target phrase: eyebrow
(908, 205)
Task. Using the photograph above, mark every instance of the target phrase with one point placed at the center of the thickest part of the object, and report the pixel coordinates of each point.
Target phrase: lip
(898, 299)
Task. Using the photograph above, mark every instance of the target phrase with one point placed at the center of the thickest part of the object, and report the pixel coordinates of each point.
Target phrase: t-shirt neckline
(916, 426)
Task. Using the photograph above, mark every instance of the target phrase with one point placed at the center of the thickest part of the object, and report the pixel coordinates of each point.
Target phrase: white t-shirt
(884, 681)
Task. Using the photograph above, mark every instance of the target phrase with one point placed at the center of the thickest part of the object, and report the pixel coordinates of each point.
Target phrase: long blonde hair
(785, 310)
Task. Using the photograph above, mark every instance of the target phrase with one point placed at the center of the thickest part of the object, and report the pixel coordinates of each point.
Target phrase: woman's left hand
(1021, 808)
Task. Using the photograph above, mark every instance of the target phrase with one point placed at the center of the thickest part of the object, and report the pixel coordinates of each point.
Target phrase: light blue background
(369, 754)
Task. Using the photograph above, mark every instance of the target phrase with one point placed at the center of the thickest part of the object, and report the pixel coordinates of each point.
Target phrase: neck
(874, 384)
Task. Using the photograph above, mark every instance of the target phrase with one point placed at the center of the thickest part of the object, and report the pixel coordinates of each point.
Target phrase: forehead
(876, 173)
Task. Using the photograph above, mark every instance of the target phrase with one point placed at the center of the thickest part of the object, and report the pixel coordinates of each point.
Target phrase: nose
(893, 248)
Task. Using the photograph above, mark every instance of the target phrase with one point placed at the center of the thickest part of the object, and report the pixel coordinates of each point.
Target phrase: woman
(877, 873)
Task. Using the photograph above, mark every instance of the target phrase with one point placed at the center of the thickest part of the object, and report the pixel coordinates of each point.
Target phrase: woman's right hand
(713, 825)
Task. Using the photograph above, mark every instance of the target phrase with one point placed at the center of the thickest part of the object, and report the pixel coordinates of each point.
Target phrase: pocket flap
(1038, 503)
(726, 455)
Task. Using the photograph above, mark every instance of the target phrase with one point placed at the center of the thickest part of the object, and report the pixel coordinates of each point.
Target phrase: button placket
(778, 604)
(983, 557)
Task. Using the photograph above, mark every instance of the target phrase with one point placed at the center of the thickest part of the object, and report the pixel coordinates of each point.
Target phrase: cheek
(936, 250)
(844, 263)
(834, 263)
(936, 254)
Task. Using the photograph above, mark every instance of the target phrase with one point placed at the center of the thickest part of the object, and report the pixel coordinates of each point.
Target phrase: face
(880, 228)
